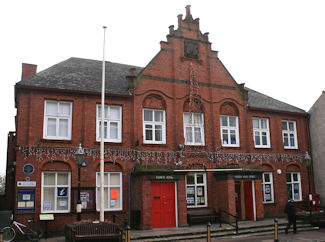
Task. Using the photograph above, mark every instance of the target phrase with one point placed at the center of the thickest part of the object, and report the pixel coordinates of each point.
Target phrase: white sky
(276, 47)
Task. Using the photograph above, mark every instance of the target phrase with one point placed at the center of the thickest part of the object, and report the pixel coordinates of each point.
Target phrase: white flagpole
(102, 218)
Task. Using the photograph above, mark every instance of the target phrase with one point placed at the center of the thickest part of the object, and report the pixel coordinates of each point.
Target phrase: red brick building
(180, 134)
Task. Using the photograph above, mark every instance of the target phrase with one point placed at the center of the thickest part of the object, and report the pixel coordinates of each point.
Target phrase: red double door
(246, 186)
(163, 204)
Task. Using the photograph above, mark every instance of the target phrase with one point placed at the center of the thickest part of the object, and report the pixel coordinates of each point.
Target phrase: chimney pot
(28, 70)
(188, 10)
(171, 29)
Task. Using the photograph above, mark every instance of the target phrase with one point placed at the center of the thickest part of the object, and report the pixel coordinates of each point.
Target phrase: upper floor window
(194, 128)
(154, 126)
(267, 187)
(293, 186)
(57, 120)
(55, 192)
(289, 134)
(196, 193)
(261, 132)
(229, 131)
(112, 123)
(112, 191)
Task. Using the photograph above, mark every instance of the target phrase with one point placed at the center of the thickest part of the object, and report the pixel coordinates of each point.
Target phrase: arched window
(154, 120)
(267, 184)
(229, 125)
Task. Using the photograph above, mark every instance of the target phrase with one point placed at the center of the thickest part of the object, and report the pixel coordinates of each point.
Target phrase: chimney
(28, 70)
(171, 29)
(133, 72)
(188, 10)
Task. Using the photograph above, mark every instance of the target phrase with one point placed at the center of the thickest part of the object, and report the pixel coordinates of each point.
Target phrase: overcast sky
(276, 47)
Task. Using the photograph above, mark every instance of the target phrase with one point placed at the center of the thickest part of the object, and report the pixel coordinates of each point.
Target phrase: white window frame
(260, 132)
(288, 133)
(153, 123)
(57, 117)
(292, 184)
(108, 186)
(196, 185)
(56, 186)
(270, 184)
(229, 128)
(192, 126)
(109, 121)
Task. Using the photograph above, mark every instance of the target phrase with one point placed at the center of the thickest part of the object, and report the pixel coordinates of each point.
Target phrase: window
(154, 126)
(261, 132)
(194, 128)
(196, 190)
(229, 131)
(55, 192)
(57, 120)
(112, 123)
(293, 186)
(267, 187)
(112, 191)
(289, 134)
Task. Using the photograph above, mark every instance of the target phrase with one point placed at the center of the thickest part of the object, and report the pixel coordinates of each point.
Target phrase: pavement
(306, 236)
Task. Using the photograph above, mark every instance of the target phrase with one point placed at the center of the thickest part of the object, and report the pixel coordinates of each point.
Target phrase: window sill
(290, 148)
(59, 141)
(230, 146)
(262, 147)
(109, 143)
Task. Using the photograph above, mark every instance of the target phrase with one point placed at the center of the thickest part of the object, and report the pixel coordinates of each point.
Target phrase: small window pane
(189, 137)
(292, 140)
(115, 113)
(285, 140)
(264, 138)
(63, 128)
(186, 118)
(62, 203)
(266, 177)
(64, 109)
(263, 124)
(115, 178)
(291, 126)
(48, 198)
(199, 179)
(232, 122)
(49, 179)
(51, 108)
(197, 118)
(63, 179)
(190, 179)
(148, 133)
(147, 115)
(284, 125)
(197, 135)
(158, 133)
(159, 116)
(51, 127)
(288, 175)
(295, 177)
(257, 138)
(256, 124)
(114, 197)
(224, 121)
(113, 130)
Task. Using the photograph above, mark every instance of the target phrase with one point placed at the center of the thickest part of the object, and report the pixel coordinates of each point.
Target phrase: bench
(202, 215)
(97, 231)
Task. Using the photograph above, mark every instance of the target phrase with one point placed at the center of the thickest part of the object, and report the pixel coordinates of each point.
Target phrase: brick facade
(166, 84)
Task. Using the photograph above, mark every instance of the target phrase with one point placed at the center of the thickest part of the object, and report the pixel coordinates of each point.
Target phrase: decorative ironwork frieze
(154, 157)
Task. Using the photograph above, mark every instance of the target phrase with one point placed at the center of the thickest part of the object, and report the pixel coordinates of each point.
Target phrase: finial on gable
(188, 17)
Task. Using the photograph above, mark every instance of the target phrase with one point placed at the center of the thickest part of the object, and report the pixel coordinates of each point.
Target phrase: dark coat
(290, 209)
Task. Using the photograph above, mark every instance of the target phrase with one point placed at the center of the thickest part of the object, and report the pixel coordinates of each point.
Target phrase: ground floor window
(267, 187)
(196, 194)
(55, 191)
(293, 186)
(112, 191)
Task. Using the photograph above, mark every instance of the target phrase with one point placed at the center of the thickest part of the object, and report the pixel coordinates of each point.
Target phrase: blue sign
(84, 163)
(62, 191)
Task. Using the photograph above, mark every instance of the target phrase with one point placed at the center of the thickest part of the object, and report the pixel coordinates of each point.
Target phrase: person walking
(290, 210)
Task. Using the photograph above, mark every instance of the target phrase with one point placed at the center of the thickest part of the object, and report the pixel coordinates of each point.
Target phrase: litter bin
(135, 219)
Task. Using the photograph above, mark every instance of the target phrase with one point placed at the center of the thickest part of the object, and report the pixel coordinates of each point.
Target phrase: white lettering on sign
(26, 184)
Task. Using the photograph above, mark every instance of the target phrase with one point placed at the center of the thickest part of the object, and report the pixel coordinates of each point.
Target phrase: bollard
(276, 230)
(127, 233)
(209, 232)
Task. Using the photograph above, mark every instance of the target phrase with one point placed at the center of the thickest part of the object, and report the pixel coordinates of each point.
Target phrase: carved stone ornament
(191, 49)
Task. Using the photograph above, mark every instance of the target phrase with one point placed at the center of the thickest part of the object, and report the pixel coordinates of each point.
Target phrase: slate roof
(86, 75)
(259, 100)
(82, 75)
